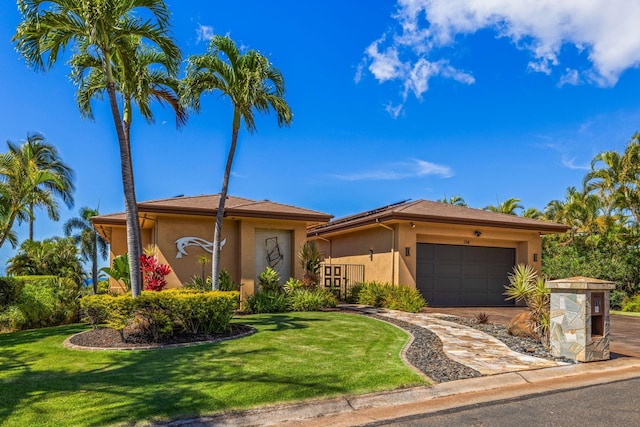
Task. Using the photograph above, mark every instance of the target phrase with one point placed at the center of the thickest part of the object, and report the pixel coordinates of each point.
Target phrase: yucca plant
(525, 285)
(521, 282)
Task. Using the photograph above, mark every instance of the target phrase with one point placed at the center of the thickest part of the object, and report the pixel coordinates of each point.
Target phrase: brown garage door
(451, 275)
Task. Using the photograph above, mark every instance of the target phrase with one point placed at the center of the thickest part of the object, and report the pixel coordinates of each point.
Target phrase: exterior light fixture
(407, 251)
(535, 257)
(412, 225)
(371, 254)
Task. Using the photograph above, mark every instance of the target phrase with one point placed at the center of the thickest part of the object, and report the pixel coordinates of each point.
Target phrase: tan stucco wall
(353, 247)
(237, 255)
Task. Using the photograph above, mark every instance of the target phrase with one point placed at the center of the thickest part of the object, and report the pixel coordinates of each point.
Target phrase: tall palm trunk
(215, 261)
(31, 221)
(94, 264)
(134, 245)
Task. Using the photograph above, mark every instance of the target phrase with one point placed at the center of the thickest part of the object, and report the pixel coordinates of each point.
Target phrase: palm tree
(615, 178)
(453, 200)
(252, 84)
(103, 28)
(533, 213)
(91, 244)
(37, 155)
(33, 176)
(509, 207)
(51, 257)
(144, 76)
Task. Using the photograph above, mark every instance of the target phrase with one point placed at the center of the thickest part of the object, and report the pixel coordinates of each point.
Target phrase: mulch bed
(110, 338)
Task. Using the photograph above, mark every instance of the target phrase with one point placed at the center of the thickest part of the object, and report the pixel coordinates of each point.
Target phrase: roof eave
(543, 228)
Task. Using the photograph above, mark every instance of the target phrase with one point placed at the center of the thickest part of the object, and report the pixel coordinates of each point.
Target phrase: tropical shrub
(269, 281)
(389, 296)
(373, 293)
(10, 288)
(266, 302)
(525, 285)
(153, 273)
(404, 298)
(310, 299)
(353, 293)
(160, 314)
(38, 301)
(119, 271)
(615, 299)
(225, 282)
(631, 304)
(310, 262)
(51, 257)
(292, 285)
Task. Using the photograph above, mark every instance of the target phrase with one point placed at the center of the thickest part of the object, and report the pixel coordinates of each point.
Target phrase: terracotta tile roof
(428, 211)
(207, 205)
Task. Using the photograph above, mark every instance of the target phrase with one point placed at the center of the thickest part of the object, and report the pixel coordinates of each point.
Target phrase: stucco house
(255, 234)
(455, 256)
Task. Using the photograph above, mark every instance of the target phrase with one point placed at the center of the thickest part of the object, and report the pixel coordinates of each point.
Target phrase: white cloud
(570, 77)
(394, 110)
(571, 164)
(204, 33)
(415, 168)
(607, 31)
(384, 65)
(428, 168)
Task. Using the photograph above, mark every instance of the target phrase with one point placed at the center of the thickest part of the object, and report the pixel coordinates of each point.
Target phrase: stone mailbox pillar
(579, 328)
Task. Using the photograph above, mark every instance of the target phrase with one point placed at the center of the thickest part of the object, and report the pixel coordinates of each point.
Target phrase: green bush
(310, 299)
(631, 304)
(225, 283)
(293, 284)
(10, 288)
(38, 301)
(615, 299)
(266, 302)
(374, 293)
(404, 298)
(202, 312)
(389, 296)
(353, 293)
(269, 281)
(160, 314)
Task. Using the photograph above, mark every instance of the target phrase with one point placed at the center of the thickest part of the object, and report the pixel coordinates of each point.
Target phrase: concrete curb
(356, 410)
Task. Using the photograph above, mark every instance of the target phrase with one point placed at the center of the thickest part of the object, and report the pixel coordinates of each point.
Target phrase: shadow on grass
(279, 322)
(156, 385)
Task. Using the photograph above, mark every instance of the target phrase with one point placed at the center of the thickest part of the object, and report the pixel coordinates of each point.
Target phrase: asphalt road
(613, 404)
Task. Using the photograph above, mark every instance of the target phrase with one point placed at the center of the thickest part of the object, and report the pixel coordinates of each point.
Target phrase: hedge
(37, 301)
(161, 314)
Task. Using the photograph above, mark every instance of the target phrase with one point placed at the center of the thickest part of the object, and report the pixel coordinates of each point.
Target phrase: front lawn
(293, 356)
(625, 313)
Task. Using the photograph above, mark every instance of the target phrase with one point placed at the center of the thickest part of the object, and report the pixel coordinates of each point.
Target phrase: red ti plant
(153, 273)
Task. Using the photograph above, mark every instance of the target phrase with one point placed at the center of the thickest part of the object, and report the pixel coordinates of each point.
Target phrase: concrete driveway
(625, 330)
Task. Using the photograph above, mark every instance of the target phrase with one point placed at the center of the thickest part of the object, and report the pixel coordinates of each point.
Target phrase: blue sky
(392, 100)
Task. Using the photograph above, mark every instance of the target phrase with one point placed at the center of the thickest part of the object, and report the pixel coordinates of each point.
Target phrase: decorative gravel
(426, 354)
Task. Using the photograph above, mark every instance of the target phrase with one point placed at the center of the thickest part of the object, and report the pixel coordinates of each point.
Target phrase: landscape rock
(520, 326)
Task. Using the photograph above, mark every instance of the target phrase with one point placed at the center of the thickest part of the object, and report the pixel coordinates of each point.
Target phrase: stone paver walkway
(468, 346)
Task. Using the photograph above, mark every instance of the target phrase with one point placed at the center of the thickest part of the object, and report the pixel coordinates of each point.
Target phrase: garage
(452, 275)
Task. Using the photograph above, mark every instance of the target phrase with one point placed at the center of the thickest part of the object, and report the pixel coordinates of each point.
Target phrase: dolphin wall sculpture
(185, 242)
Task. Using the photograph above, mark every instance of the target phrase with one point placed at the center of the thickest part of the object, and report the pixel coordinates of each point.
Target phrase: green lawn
(291, 357)
(625, 313)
